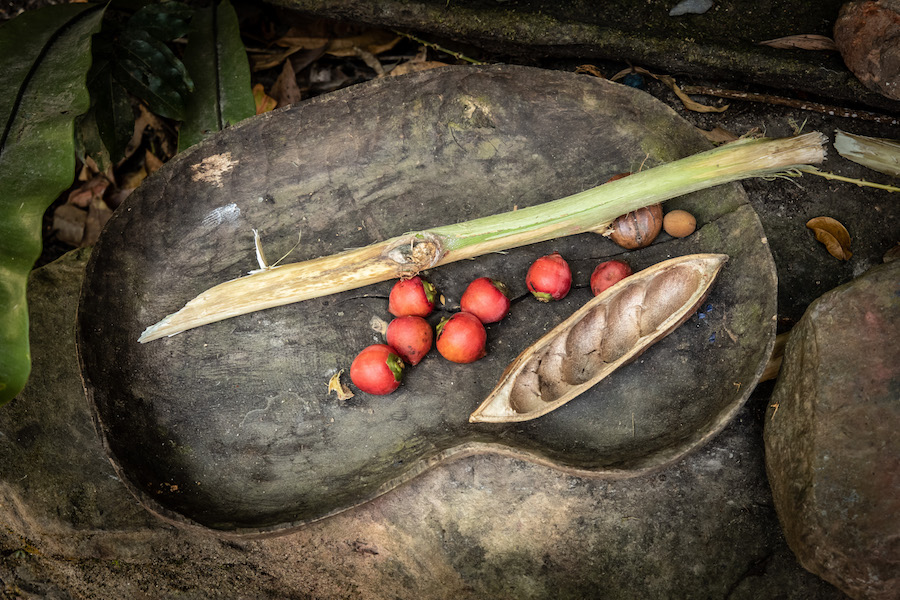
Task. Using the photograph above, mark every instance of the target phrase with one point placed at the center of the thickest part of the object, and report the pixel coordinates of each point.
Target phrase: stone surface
(484, 526)
(832, 450)
(868, 37)
(721, 44)
(481, 526)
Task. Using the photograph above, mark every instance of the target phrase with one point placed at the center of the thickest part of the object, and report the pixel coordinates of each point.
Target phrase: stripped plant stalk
(408, 254)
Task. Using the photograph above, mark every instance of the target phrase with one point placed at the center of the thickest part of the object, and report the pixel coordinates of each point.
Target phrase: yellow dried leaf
(264, 103)
(833, 234)
(335, 385)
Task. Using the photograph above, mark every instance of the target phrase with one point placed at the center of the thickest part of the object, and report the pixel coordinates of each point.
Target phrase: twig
(859, 182)
(836, 111)
(433, 46)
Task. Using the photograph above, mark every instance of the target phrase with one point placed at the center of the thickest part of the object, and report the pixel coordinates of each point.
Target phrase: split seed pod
(610, 330)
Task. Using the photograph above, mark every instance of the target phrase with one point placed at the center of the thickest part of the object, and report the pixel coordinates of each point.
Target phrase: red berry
(486, 299)
(549, 278)
(411, 337)
(461, 338)
(377, 370)
(608, 274)
(413, 296)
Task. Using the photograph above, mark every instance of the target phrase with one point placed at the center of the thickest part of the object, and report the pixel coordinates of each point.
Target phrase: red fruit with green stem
(413, 296)
(487, 299)
(549, 278)
(411, 337)
(461, 338)
(607, 274)
(377, 369)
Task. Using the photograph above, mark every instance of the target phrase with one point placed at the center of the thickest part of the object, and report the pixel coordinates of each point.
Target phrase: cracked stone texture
(832, 451)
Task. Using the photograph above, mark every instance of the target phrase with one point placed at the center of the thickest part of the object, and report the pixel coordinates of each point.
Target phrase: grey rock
(832, 450)
(691, 7)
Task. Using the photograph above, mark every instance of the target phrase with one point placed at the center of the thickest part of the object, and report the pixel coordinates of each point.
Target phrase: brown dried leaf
(83, 194)
(98, 214)
(670, 81)
(610, 330)
(334, 385)
(718, 135)
(161, 133)
(803, 41)
(374, 41)
(590, 70)
(151, 162)
(419, 62)
(68, 224)
(285, 90)
(833, 234)
(260, 61)
(414, 67)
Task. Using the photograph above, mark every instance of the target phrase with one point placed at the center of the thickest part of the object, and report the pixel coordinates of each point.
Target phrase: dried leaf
(417, 63)
(334, 385)
(610, 330)
(68, 224)
(718, 135)
(590, 70)
(670, 81)
(285, 90)
(833, 234)
(151, 163)
(803, 41)
(146, 120)
(264, 103)
(83, 194)
(97, 216)
(374, 41)
(260, 61)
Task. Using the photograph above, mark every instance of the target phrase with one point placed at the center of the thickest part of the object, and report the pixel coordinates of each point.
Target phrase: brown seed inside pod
(638, 228)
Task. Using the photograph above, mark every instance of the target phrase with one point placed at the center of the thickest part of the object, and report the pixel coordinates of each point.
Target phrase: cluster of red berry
(461, 337)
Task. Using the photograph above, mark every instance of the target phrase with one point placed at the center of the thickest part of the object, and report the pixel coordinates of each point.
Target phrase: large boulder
(868, 37)
(832, 449)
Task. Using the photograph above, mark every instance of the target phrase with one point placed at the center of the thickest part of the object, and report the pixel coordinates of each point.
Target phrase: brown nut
(638, 228)
(679, 223)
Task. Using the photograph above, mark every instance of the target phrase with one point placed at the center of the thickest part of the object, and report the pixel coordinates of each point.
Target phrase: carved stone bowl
(231, 426)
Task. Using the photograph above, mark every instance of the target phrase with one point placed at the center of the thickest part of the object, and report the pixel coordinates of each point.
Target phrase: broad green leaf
(44, 59)
(217, 60)
(166, 21)
(150, 71)
(111, 110)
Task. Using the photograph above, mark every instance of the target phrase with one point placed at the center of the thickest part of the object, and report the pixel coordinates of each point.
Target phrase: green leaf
(150, 71)
(216, 58)
(166, 21)
(44, 59)
(111, 110)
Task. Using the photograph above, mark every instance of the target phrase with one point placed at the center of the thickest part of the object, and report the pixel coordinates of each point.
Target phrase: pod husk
(610, 330)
